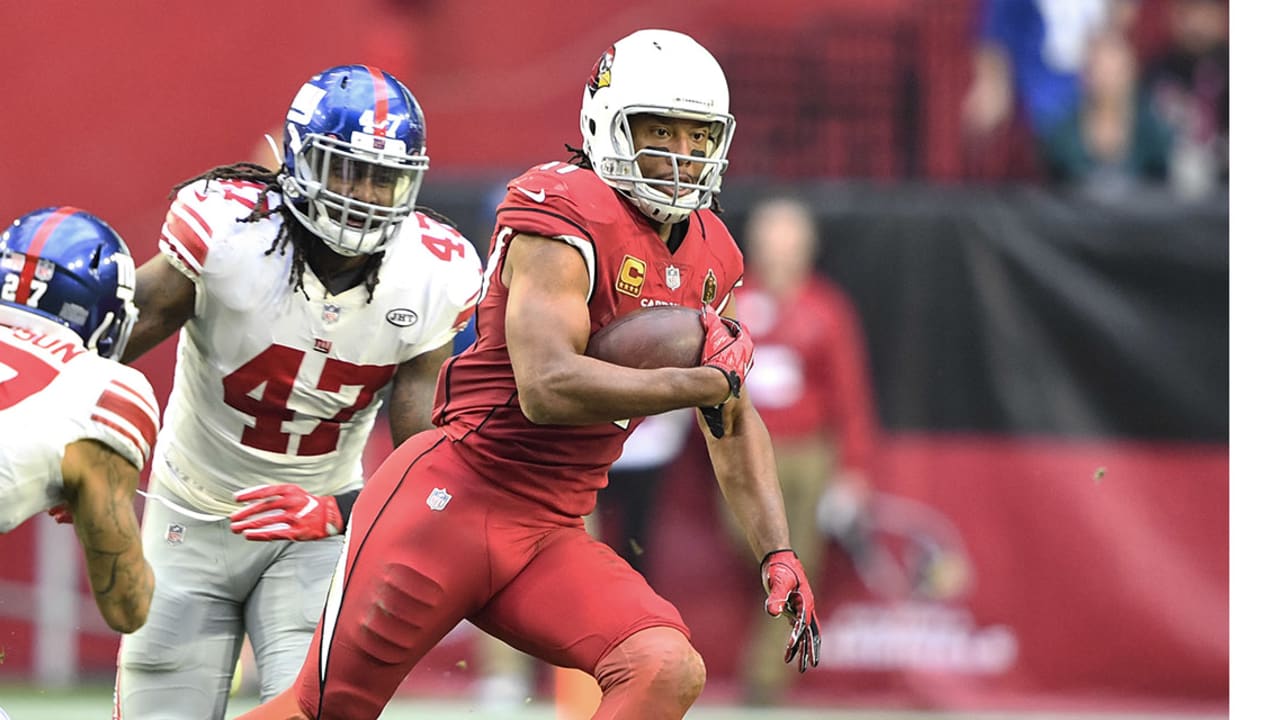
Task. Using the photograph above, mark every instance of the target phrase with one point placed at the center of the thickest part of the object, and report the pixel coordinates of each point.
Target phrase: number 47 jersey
(278, 385)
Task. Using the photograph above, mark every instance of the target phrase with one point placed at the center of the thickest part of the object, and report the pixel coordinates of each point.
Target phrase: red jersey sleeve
(556, 199)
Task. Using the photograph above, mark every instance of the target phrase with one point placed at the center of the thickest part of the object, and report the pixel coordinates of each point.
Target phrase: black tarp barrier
(1015, 309)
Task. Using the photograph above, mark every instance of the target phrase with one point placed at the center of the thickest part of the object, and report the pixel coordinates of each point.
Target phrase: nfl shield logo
(175, 534)
(673, 277)
(44, 270)
(438, 499)
(330, 314)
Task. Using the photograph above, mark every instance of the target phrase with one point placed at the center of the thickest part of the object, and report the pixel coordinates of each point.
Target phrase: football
(654, 337)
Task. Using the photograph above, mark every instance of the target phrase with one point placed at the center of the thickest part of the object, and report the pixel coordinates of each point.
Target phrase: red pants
(410, 573)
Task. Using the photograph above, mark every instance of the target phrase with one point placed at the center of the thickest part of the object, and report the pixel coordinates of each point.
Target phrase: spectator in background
(1188, 86)
(812, 386)
(1113, 139)
(1031, 52)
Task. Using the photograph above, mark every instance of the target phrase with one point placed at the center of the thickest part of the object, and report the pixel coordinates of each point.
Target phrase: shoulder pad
(203, 213)
(577, 194)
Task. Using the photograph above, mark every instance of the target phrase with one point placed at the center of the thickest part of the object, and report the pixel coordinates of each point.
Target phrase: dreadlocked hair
(291, 230)
(578, 156)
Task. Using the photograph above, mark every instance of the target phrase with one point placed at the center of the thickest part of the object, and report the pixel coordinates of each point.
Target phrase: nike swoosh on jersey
(537, 197)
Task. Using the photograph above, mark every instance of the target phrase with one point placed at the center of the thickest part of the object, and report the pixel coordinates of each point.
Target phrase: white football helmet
(658, 72)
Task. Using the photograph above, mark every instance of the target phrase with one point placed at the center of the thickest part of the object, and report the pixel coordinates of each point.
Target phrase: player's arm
(547, 326)
(100, 487)
(412, 393)
(745, 468)
(166, 299)
(742, 457)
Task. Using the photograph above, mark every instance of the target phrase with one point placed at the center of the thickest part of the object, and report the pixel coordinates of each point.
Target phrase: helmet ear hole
(591, 125)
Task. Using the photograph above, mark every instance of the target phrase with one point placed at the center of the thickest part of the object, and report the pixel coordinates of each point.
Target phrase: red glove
(286, 512)
(62, 513)
(789, 593)
(728, 348)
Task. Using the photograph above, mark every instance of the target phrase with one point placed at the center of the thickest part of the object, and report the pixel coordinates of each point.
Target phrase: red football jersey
(630, 267)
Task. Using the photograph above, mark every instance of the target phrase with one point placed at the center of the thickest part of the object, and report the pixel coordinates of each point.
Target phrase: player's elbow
(128, 612)
(128, 619)
(538, 407)
(545, 400)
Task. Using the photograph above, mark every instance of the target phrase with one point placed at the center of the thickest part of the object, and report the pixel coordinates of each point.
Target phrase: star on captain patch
(673, 277)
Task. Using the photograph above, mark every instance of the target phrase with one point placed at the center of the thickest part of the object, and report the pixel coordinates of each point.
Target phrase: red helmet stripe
(380, 94)
(43, 232)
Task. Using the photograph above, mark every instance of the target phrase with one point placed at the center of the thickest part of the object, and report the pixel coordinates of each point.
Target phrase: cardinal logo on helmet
(602, 73)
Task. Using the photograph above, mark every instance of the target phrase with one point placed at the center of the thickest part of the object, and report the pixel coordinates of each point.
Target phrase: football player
(306, 297)
(482, 519)
(78, 426)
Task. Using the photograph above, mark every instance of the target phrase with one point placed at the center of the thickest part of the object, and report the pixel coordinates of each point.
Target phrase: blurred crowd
(1102, 117)
(1097, 94)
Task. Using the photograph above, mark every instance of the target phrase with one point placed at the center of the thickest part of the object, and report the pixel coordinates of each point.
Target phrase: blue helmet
(64, 265)
(354, 155)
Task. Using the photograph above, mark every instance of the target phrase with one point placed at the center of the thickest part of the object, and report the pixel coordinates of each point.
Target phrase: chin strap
(96, 337)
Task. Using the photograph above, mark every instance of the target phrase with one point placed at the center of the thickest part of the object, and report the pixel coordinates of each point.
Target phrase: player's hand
(728, 348)
(285, 512)
(62, 514)
(789, 593)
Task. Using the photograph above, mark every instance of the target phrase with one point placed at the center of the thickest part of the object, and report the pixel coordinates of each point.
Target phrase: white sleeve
(452, 290)
(204, 233)
(126, 416)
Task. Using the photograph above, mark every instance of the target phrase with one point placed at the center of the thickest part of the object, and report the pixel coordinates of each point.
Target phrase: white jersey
(274, 385)
(54, 392)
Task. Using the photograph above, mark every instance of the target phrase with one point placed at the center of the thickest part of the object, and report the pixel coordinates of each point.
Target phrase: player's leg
(409, 572)
(578, 604)
(282, 611)
(179, 664)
